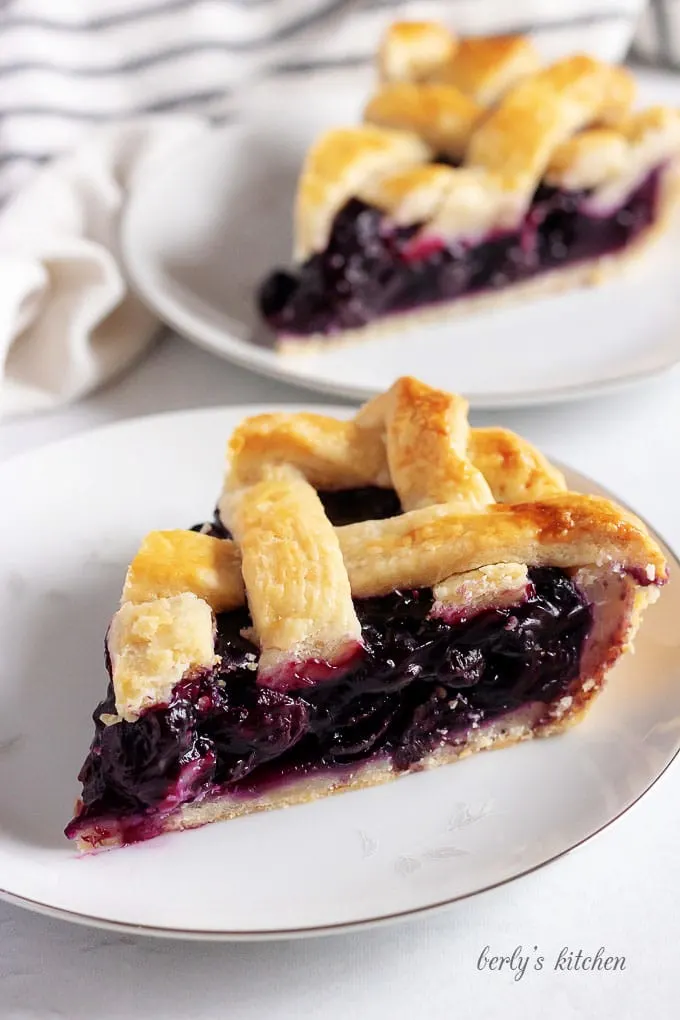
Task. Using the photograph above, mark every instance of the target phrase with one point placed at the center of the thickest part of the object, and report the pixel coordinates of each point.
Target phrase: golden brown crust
(427, 435)
(415, 50)
(153, 644)
(335, 454)
(421, 548)
(498, 586)
(486, 67)
(517, 140)
(653, 138)
(588, 160)
(339, 163)
(442, 115)
(516, 470)
(615, 158)
(171, 562)
(412, 196)
(608, 90)
(332, 454)
(660, 121)
(298, 591)
(427, 445)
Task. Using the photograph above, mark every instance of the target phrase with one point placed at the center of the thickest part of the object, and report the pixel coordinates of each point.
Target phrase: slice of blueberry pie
(374, 597)
(478, 175)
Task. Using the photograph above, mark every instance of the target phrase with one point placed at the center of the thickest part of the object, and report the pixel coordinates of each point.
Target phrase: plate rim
(283, 934)
(172, 312)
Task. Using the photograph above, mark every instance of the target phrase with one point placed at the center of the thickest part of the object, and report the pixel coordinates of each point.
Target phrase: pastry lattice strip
(421, 548)
(298, 588)
(334, 454)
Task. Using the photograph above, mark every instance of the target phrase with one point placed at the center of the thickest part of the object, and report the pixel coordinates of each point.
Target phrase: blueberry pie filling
(372, 268)
(373, 597)
(422, 682)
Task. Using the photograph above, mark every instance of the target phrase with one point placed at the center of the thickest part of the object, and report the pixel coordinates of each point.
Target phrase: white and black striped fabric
(658, 38)
(66, 65)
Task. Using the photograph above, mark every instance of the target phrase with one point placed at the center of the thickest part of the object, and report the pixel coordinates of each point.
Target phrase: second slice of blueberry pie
(374, 597)
(478, 176)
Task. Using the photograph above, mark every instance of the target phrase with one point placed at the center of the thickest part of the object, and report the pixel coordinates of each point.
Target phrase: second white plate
(201, 232)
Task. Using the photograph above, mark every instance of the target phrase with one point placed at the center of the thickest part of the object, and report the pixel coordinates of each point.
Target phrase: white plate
(203, 230)
(75, 517)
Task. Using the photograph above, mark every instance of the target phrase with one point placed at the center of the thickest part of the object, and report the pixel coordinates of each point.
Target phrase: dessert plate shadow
(203, 228)
(349, 861)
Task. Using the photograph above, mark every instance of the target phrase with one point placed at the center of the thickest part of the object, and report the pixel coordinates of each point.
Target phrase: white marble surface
(620, 891)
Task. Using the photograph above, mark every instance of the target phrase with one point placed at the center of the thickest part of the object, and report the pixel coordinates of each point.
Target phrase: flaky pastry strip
(330, 453)
(486, 67)
(498, 586)
(415, 50)
(298, 591)
(169, 562)
(427, 435)
(411, 196)
(518, 138)
(613, 159)
(588, 159)
(441, 115)
(421, 548)
(514, 468)
(653, 137)
(476, 202)
(336, 167)
(151, 645)
(334, 454)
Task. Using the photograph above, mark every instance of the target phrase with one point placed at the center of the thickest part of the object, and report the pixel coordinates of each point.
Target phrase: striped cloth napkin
(658, 37)
(106, 85)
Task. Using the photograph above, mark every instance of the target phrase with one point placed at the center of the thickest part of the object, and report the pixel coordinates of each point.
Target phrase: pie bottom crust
(589, 273)
(617, 603)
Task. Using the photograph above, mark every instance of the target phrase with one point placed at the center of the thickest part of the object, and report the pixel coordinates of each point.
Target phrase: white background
(620, 891)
